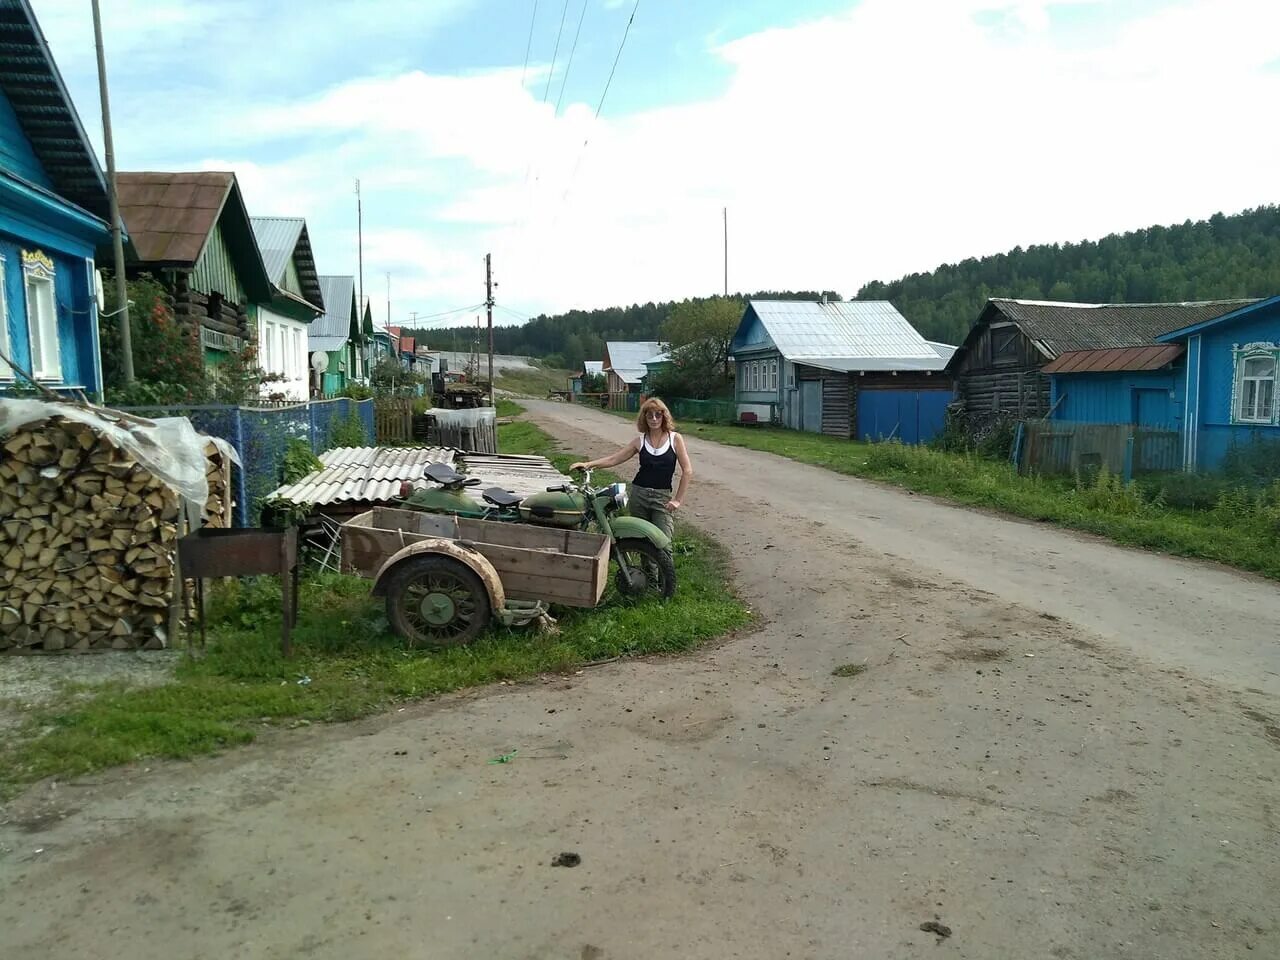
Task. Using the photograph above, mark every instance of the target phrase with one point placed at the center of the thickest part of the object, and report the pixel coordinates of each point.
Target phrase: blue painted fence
(912, 416)
(260, 434)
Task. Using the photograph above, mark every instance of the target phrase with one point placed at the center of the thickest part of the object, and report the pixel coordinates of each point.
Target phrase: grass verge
(1245, 534)
(533, 381)
(347, 664)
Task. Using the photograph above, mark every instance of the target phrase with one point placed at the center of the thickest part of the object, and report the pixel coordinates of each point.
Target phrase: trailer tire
(437, 601)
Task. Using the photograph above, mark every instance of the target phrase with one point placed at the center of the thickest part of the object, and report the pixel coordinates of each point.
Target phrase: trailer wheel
(437, 602)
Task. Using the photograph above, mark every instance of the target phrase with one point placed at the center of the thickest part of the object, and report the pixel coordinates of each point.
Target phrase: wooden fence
(393, 420)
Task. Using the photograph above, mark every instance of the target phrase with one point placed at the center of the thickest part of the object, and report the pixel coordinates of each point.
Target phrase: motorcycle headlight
(619, 491)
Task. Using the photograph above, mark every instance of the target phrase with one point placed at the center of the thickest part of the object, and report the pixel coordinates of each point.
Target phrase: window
(299, 361)
(773, 375)
(1255, 383)
(5, 370)
(755, 374)
(42, 315)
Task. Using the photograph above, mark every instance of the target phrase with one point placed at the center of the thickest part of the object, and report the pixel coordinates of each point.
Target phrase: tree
(707, 326)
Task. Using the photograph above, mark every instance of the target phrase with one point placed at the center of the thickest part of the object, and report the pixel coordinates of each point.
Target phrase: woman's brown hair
(653, 403)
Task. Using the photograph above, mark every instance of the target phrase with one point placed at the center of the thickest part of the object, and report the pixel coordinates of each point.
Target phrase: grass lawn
(1239, 532)
(535, 382)
(346, 663)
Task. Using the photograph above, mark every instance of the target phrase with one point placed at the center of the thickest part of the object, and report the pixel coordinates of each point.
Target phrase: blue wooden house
(53, 217)
(853, 369)
(1206, 383)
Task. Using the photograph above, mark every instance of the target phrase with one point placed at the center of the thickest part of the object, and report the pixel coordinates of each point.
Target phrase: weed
(849, 670)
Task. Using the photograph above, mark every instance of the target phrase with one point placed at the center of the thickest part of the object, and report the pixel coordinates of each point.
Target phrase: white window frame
(42, 331)
(773, 376)
(6, 372)
(1242, 356)
(267, 360)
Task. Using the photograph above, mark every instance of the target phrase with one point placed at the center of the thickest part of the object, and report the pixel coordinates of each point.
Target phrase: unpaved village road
(1058, 749)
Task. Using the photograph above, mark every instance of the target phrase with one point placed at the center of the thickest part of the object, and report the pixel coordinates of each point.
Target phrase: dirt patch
(1269, 726)
(31, 682)
(976, 654)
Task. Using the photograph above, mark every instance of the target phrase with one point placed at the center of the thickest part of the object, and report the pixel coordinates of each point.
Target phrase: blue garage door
(912, 416)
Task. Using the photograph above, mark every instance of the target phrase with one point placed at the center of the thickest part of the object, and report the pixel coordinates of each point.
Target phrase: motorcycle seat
(501, 498)
(444, 474)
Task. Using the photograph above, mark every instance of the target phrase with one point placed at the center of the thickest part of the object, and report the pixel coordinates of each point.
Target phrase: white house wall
(282, 349)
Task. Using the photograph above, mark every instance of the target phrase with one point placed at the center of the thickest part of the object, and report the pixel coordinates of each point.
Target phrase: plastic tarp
(467, 419)
(169, 447)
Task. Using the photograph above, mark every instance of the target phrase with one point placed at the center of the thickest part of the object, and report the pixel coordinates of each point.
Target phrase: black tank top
(656, 468)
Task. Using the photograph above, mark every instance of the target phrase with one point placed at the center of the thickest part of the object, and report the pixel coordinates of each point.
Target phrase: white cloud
(862, 146)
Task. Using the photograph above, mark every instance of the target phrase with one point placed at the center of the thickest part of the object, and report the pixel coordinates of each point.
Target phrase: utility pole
(117, 241)
(488, 302)
(360, 246)
(726, 252)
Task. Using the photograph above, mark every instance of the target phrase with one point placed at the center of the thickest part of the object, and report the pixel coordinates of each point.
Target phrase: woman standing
(660, 448)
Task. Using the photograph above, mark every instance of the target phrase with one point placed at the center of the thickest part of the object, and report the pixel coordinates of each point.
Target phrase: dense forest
(1219, 258)
(1222, 257)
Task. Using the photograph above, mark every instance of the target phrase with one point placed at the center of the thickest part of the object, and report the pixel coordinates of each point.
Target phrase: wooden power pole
(488, 302)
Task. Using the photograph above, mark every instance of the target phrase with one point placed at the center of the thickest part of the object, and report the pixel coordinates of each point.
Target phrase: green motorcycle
(640, 550)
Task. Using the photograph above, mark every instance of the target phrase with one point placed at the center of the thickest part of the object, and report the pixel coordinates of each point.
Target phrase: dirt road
(1057, 748)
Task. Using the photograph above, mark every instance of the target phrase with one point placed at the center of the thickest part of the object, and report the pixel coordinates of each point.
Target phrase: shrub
(346, 432)
(1108, 492)
(1186, 491)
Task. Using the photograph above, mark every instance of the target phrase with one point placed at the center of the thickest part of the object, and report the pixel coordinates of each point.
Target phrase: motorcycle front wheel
(653, 571)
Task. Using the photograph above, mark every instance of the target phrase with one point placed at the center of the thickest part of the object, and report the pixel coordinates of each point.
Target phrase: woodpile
(87, 541)
(217, 508)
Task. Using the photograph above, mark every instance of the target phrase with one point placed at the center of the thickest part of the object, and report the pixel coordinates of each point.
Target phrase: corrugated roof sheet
(944, 350)
(363, 474)
(48, 117)
(846, 335)
(628, 356)
(1062, 327)
(169, 215)
(1116, 359)
(339, 309)
(324, 344)
(593, 367)
(281, 239)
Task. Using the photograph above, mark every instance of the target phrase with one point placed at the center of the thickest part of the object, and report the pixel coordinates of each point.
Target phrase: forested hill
(1222, 257)
(566, 339)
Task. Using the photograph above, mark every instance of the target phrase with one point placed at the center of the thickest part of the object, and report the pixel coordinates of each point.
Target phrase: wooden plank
(557, 566)
(570, 593)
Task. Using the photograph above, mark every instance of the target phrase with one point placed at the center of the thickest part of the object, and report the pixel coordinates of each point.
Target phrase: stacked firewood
(217, 508)
(87, 541)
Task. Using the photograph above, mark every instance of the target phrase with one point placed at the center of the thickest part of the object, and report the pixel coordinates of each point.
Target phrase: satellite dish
(98, 291)
(319, 362)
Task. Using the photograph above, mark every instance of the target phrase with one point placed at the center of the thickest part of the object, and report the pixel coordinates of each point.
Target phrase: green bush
(1107, 491)
(298, 461)
(346, 432)
(1185, 491)
(356, 391)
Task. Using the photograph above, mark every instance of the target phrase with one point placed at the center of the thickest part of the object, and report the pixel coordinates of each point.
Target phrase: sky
(848, 142)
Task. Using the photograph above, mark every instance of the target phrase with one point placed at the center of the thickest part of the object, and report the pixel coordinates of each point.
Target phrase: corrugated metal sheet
(282, 240)
(339, 309)
(846, 335)
(593, 367)
(374, 474)
(627, 357)
(1115, 360)
(324, 344)
(1061, 327)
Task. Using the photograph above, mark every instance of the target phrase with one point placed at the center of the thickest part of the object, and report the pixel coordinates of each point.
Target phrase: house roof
(844, 335)
(282, 239)
(626, 358)
(1244, 307)
(1056, 328)
(593, 367)
(944, 350)
(407, 344)
(169, 217)
(339, 308)
(660, 358)
(32, 84)
(324, 344)
(1115, 360)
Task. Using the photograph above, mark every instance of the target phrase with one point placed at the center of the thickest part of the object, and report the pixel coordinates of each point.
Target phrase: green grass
(353, 666)
(535, 382)
(1244, 538)
(507, 408)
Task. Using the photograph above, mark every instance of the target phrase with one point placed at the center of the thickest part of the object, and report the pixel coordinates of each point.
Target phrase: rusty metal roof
(170, 215)
(1116, 360)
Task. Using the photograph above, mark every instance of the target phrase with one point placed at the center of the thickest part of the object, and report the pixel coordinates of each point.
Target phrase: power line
(625, 33)
(446, 313)
(529, 45)
(569, 65)
(552, 71)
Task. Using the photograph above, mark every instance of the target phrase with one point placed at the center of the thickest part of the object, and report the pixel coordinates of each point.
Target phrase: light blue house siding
(759, 370)
(1218, 411)
(44, 239)
(1149, 398)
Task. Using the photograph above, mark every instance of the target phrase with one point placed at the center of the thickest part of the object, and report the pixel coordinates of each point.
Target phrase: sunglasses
(654, 415)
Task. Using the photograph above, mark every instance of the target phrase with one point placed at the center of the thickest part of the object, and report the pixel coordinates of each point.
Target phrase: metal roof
(363, 474)
(1116, 359)
(845, 335)
(284, 238)
(660, 358)
(593, 367)
(324, 344)
(170, 215)
(944, 350)
(1061, 327)
(626, 357)
(339, 310)
(33, 86)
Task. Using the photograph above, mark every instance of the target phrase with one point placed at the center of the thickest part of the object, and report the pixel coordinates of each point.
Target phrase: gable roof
(626, 358)
(1245, 307)
(170, 216)
(843, 335)
(33, 86)
(281, 239)
(593, 368)
(1115, 360)
(339, 318)
(1056, 328)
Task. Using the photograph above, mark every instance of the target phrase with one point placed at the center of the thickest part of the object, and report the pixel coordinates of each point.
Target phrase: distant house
(999, 367)
(1204, 386)
(657, 364)
(850, 368)
(624, 363)
(337, 335)
(284, 323)
(590, 368)
(192, 233)
(53, 215)
(379, 346)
